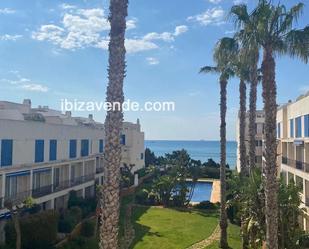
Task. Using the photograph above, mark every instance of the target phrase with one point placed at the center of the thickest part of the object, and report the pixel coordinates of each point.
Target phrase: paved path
(207, 242)
(215, 193)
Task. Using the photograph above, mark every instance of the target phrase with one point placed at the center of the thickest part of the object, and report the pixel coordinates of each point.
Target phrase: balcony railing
(99, 170)
(307, 201)
(41, 191)
(296, 164)
(18, 198)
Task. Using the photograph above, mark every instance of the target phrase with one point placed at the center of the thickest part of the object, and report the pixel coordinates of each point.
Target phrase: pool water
(202, 191)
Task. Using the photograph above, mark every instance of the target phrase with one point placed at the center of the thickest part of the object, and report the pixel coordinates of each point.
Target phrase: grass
(170, 229)
(234, 238)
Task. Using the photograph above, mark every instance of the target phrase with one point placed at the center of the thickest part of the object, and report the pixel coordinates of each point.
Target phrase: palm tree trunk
(270, 168)
(252, 111)
(242, 149)
(223, 215)
(242, 128)
(113, 126)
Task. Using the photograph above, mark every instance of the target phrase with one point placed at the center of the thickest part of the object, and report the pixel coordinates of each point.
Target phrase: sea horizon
(198, 149)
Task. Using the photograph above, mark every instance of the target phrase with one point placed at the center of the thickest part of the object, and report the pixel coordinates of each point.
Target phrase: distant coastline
(198, 149)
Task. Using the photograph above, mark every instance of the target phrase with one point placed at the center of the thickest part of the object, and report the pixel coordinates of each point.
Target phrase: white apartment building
(293, 147)
(46, 154)
(259, 129)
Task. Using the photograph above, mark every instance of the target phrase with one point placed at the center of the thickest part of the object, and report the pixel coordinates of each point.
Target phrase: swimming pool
(202, 191)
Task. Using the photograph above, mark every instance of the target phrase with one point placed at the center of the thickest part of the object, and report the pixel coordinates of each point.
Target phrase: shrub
(39, 231)
(206, 205)
(87, 206)
(87, 229)
(69, 220)
(141, 197)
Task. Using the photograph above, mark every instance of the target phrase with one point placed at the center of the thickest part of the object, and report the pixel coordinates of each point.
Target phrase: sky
(51, 50)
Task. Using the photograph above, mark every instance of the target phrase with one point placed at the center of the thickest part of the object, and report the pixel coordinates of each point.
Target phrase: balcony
(39, 192)
(296, 164)
(18, 198)
(99, 170)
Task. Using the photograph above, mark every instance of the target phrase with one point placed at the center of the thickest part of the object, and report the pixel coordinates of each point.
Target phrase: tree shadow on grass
(141, 230)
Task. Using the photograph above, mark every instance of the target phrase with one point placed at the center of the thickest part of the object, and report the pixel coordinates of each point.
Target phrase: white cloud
(236, 2)
(213, 16)
(131, 24)
(7, 11)
(215, 1)
(139, 45)
(180, 30)
(81, 28)
(66, 6)
(24, 83)
(165, 36)
(152, 61)
(7, 37)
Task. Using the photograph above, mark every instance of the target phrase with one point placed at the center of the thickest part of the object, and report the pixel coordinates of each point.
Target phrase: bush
(39, 231)
(141, 197)
(69, 220)
(88, 228)
(206, 205)
(304, 241)
(87, 206)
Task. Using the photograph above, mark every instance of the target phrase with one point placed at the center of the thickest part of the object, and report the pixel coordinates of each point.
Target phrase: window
(258, 159)
(84, 147)
(298, 127)
(6, 152)
(56, 177)
(299, 183)
(101, 145)
(123, 139)
(142, 156)
(278, 130)
(39, 151)
(291, 127)
(73, 147)
(258, 143)
(307, 125)
(52, 150)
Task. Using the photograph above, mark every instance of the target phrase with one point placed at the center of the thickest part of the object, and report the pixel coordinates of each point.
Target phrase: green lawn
(170, 229)
(234, 238)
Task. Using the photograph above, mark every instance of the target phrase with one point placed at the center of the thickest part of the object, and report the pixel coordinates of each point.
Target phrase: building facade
(46, 154)
(293, 148)
(259, 133)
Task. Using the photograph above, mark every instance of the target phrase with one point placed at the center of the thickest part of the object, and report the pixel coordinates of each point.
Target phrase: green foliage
(150, 158)
(87, 229)
(246, 200)
(39, 231)
(207, 205)
(69, 219)
(88, 206)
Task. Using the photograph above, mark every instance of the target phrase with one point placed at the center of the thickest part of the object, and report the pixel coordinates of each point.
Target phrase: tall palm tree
(275, 33)
(113, 125)
(241, 67)
(224, 54)
(246, 23)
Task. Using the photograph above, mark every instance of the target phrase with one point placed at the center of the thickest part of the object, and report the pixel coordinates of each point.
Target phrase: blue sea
(198, 150)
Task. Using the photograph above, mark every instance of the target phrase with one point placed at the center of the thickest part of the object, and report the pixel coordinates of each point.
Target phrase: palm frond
(240, 15)
(298, 43)
(209, 69)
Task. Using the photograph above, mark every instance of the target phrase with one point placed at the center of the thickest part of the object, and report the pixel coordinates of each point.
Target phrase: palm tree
(113, 125)
(246, 23)
(275, 33)
(225, 52)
